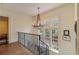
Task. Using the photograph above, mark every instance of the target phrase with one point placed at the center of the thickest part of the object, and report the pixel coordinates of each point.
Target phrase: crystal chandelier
(38, 21)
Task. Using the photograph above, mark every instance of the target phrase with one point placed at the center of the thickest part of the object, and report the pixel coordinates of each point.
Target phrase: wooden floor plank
(14, 49)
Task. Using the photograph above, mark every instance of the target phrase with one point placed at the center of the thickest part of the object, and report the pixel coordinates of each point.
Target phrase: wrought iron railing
(34, 43)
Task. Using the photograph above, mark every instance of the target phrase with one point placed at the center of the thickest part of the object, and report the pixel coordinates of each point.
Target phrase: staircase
(33, 43)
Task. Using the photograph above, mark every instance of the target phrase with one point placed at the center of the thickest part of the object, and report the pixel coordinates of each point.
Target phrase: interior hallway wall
(78, 29)
(17, 23)
(66, 14)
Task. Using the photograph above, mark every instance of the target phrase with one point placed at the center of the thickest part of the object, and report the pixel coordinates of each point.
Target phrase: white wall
(66, 14)
(17, 23)
(78, 29)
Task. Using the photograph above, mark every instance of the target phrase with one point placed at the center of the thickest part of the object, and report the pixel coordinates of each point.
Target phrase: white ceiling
(29, 8)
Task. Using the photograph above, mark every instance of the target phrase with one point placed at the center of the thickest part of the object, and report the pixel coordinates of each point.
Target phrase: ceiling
(29, 8)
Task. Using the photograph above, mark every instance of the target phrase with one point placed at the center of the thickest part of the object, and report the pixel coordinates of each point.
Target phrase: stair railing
(34, 43)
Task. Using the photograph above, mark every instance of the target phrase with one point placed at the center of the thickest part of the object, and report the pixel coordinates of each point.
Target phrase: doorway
(3, 30)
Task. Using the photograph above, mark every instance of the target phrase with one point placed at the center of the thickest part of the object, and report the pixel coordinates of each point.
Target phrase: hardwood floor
(14, 49)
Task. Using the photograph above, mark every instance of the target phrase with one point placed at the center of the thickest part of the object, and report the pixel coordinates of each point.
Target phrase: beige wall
(78, 29)
(17, 23)
(66, 14)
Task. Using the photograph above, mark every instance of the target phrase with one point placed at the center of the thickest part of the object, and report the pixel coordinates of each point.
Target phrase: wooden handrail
(28, 33)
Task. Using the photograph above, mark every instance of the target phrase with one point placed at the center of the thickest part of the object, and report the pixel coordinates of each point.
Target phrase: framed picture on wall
(66, 32)
(66, 35)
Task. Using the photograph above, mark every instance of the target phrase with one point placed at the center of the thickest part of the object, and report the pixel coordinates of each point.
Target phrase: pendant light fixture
(38, 21)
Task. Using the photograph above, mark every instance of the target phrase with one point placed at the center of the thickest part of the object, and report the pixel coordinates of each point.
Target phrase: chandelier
(38, 21)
